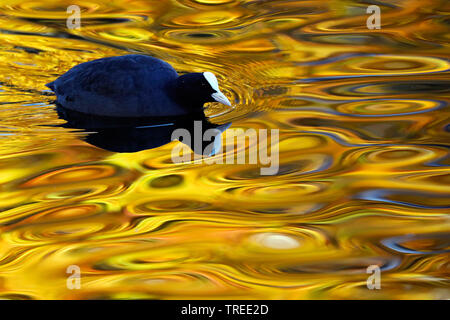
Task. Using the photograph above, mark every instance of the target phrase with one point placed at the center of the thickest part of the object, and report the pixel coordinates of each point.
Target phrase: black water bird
(135, 86)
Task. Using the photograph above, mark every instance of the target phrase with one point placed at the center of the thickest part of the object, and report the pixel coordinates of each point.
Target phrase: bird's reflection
(136, 134)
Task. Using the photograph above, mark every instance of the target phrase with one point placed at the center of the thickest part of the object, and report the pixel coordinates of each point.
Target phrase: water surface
(364, 163)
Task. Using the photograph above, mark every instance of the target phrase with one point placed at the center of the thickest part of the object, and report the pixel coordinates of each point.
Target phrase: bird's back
(125, 86)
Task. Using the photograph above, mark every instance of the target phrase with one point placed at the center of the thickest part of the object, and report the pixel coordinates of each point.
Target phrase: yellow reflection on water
(363, 180)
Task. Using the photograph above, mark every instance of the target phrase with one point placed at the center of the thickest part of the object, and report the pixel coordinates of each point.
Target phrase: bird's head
(195, 89)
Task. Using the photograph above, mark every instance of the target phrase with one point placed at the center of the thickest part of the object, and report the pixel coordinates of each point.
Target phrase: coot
(135, 86)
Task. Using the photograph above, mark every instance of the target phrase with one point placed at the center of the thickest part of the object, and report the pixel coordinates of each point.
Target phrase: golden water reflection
(363, 118)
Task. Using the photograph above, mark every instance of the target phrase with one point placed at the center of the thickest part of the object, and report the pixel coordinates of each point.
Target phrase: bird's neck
(184, 94)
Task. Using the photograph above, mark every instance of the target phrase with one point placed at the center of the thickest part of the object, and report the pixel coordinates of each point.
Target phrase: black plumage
(134, 86)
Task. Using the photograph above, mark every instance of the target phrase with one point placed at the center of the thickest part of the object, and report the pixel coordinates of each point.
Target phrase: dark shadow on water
(136, 134)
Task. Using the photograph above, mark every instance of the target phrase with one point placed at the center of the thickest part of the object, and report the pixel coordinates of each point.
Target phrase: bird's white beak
(220, 97)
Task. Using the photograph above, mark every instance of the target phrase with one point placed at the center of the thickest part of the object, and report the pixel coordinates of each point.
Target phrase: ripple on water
(362, 174)
(171, 205)
(419, 244)
(382, 65)
(391, 88)
(388, 107)
(344, 266)
(401, 157)
(60, 232)
(276, 241)
(295, 239)
(410, 198)
(67, 213)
